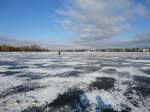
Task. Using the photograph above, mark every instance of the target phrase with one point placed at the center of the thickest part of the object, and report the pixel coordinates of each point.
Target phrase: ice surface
(44, 80)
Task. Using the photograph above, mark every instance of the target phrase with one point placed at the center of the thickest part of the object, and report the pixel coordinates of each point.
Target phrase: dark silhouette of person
(58, 52)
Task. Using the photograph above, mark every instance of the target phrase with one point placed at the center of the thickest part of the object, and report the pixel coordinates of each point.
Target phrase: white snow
(54, 85)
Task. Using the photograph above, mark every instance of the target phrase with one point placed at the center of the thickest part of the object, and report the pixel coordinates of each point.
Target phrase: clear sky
(76, 23)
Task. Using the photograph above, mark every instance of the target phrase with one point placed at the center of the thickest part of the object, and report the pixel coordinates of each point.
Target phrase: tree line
(32, 48)
(146, 49)
(36, 48)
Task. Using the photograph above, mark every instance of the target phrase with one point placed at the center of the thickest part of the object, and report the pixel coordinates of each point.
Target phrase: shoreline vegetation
(36, 48)
(110, 50)
(32, 48)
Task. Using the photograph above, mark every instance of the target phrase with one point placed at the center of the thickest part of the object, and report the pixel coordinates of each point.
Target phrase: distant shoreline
(36, 48)
(110, 50)
(32, 48)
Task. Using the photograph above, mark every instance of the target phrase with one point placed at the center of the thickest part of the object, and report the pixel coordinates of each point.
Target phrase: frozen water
(46, 82)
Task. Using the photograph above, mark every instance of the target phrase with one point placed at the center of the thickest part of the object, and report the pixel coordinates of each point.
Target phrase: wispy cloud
(16, 42)
(52, 45)
(95, 22)
(140, 40)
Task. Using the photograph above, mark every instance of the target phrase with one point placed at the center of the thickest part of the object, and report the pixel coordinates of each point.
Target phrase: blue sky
(75, 23)
(30, 19)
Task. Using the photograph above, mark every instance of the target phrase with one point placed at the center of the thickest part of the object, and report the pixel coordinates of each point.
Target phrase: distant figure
(58, 52)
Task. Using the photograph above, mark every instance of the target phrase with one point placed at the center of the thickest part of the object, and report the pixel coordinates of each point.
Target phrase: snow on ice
(47, 82)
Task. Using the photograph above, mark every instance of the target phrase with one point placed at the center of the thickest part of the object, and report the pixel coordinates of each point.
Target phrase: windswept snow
(43, 80)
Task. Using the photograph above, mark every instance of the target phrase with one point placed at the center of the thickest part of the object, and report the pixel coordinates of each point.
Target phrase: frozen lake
(46, 82)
